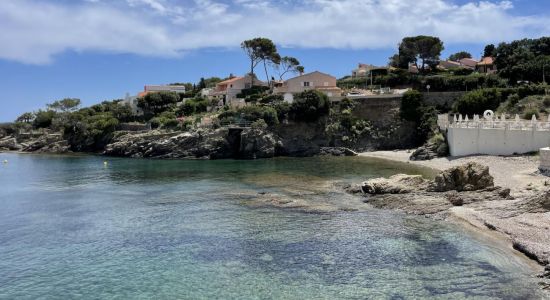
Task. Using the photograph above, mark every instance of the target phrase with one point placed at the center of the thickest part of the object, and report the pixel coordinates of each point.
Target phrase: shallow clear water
(72, 228)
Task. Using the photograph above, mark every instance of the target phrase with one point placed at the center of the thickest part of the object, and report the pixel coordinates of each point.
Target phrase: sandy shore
(524, 225)
(518, 173)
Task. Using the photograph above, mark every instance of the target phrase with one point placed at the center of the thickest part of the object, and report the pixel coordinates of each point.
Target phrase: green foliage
(88, 130)
(259, 125)
(523, 59)
(156, 103)
(462, 71)
(490, 50)
(461, 83)
(413, 109)
(288, 64)
(193, 106)
(259, 49)
(528, 114)
(64, 105)
(534, 104)
(412, 103)
(460, 55)
(440, 144)
(411, 49)
(251, 113)
(166, 120)
(310, 106)
(476, 102)
(43, 118)
(271, 99)
(253, 91)
(27, 117)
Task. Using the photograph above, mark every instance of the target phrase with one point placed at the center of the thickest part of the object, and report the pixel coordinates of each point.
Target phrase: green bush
(528, 114)
(255, 90)
(193, 106)
(412, 103)
(310, 106)
(476, 102)
(250, 113)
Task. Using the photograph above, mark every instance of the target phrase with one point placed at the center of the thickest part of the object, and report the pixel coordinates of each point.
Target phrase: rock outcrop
(468, 193)
(257, 143)
(468, 177)
(337, 151)
(10, 144)
(206, 144)
(46, 144)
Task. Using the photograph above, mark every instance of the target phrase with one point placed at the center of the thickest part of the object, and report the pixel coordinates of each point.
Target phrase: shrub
(528, 114)
(255, 90)
(411, 104)
(476, 102)
(310, 106)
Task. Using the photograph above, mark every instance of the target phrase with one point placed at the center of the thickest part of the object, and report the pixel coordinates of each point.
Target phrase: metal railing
(239, 123)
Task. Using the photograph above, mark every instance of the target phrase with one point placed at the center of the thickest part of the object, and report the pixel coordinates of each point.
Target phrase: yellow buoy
(105, 163)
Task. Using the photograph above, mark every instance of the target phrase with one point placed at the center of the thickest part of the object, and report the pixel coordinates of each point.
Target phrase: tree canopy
(427, 49)
(523, 59)
(289, 64)
(65, 105)
(490, 50)
(460, 55)
(157, 102)
(260, 50)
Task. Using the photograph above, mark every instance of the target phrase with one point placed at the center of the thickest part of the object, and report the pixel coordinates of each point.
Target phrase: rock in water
(257, 143)
(469, 177)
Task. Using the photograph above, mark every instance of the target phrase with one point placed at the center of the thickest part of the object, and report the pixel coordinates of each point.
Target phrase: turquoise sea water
(73, 228)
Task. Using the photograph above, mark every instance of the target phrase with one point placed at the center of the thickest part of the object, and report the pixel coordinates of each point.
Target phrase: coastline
(511, 227)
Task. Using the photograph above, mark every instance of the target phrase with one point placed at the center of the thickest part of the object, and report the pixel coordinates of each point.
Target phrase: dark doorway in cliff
(234, 140)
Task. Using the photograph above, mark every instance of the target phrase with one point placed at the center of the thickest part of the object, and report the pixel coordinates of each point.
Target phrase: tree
(27, 117)
(43, 118)
(523, 60)
(411, 49)
(310, 106)
(65, 105)
(155, 103)
(289, 64)
(460, 55)
(202, 83)
(258, 50)
(490, 50)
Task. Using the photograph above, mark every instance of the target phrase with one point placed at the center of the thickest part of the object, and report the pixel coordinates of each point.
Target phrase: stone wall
(442, 99)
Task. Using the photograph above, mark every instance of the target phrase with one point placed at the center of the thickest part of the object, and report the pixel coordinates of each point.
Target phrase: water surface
(73, 228)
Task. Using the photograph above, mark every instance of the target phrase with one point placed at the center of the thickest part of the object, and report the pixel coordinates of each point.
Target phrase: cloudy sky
(101, 49)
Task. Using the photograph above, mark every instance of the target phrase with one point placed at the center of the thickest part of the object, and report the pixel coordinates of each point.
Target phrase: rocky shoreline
(468, 193)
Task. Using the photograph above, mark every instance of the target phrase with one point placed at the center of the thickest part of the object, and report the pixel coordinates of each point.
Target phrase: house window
(306, 83)
(231, 86)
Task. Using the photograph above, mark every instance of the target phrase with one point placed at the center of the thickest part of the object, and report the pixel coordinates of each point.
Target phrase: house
(162, 88)
(469, 63)
(363, 70)
(486, 65)
(132, 102)
(312, 81)
(449, 64)
(228, 90)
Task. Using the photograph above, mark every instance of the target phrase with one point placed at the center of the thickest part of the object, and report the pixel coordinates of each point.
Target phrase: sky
(98, 50)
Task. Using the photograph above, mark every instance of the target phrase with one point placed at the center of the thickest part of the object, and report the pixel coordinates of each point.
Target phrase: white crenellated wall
(495, 136)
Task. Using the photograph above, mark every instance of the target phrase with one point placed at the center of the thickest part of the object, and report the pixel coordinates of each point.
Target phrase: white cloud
(35, 31)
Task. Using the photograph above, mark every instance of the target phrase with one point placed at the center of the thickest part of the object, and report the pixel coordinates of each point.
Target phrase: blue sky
(98, 50)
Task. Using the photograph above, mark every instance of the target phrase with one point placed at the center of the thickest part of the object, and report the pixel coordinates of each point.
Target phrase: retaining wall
(468, 141)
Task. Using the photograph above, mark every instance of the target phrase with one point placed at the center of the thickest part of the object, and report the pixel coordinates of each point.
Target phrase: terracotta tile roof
(230, 80)
(486, 61)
